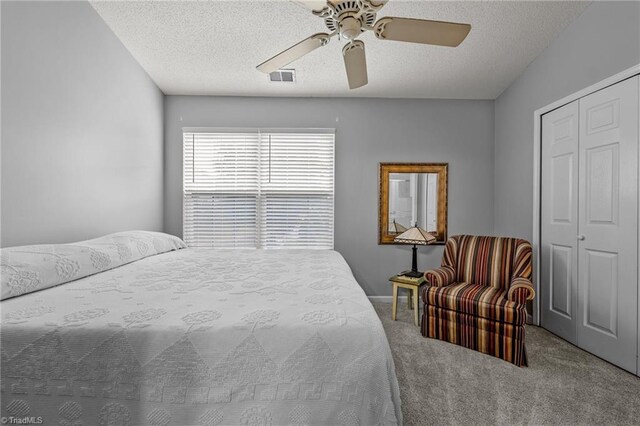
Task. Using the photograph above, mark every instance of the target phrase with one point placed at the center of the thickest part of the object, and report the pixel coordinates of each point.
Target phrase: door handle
(581, 237)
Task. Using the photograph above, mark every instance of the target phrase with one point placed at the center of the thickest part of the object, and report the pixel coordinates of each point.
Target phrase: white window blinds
(259, 189)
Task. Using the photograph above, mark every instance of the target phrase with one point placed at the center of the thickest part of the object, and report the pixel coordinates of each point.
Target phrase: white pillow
(25, 269)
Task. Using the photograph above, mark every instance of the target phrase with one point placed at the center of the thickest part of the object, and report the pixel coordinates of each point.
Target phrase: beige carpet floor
(444, 384)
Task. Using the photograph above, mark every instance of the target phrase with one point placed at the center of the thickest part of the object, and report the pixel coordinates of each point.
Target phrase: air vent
(283, 76)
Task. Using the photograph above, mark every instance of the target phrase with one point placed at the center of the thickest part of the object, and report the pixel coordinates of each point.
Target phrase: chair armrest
(521, 290)
(440, 277)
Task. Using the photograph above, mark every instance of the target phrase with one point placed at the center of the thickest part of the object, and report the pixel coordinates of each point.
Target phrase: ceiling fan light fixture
(350, 28)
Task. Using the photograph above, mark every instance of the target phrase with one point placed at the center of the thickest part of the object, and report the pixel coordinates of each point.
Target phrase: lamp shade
(415, 235)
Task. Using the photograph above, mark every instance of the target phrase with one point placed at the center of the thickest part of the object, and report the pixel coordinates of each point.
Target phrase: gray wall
(602, 41)
(369, 131)
(82, 139)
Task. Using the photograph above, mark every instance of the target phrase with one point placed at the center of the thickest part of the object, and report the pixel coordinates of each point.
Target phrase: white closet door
(608, 224)
(559, 248)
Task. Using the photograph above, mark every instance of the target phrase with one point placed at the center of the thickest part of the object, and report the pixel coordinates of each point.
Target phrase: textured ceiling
(212, 47)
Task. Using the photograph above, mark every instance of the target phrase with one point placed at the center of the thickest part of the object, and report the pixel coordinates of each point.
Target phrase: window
(258, 189)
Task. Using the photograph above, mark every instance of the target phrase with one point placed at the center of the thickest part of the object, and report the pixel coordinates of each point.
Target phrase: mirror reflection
(413, 199)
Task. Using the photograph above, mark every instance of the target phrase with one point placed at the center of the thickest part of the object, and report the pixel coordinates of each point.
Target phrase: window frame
(261, 194)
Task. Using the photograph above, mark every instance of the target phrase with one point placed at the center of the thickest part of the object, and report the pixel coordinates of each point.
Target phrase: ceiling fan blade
(313, 5)
(421, 31)
(356, 64)
(294, 52)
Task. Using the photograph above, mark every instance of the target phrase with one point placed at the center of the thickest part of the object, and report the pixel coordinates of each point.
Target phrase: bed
(135, 328)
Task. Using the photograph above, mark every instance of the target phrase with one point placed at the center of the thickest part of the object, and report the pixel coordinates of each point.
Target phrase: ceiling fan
(349, 19)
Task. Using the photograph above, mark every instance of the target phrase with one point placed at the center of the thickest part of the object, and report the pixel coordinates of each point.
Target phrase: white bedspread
(201, 337)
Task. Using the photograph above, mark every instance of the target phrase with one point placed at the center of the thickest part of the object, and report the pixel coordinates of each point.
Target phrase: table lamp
(415, 236)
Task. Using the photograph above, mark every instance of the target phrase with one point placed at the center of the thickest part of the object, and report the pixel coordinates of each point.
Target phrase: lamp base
(413, 274)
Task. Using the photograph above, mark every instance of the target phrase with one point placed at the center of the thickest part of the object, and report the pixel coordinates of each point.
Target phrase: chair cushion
(478, 300)
(486, 260)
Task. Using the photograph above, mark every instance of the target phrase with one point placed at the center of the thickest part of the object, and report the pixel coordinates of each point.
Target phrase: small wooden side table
(411, 284)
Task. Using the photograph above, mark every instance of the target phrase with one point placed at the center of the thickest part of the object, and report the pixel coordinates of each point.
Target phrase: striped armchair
(477, 298)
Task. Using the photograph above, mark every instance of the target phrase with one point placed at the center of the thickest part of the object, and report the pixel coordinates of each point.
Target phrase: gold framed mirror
(410, 194)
